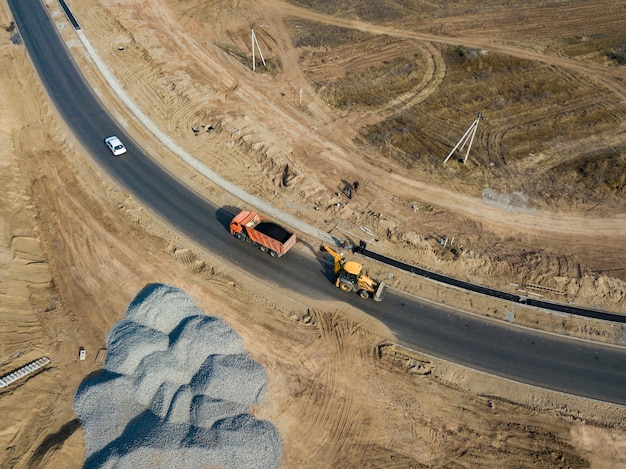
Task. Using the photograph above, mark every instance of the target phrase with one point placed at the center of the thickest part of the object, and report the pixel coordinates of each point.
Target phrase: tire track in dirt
(181, 108)
(336, 415)
(537, 163)
(434, 73)
(433, 78)
(497, 130)
(612, 79)
(534, 22)
(423, 434)
(343, 58)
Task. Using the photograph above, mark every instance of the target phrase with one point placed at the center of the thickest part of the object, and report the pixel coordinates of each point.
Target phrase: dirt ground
(75, 249)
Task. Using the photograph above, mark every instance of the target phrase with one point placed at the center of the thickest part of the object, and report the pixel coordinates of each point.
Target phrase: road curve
(586, 369)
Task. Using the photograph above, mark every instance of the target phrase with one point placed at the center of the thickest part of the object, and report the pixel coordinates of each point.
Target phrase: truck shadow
(225, 214)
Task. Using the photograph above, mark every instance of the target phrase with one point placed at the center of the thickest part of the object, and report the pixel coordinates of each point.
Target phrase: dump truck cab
(244, 218)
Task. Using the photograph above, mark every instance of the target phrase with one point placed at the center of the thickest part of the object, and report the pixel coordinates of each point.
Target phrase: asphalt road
(577, 367)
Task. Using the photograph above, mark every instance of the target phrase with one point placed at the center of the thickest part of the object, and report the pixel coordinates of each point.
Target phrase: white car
(115, 145)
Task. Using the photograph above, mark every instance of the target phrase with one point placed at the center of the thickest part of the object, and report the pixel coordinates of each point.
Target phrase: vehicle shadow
(225, 214)
(327, 265)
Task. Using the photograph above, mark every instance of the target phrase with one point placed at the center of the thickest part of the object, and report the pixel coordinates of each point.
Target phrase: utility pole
(255, 43)
(468, 136)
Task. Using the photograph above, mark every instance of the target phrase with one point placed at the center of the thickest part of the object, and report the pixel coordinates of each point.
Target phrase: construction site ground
(351, 91)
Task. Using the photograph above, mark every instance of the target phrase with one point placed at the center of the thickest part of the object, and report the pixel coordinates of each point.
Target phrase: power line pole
(468, 136)
(255, 43)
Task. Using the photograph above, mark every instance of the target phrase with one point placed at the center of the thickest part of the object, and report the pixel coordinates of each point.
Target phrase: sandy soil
(75, 249)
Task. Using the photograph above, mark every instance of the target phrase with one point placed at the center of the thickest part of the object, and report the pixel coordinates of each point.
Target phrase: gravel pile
(174, 392)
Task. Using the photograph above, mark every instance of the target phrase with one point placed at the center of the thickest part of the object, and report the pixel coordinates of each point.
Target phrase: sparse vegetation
(528, 108)
(603, 47)
(373, 87)
(399, 10)
(312, 34)
(617, 54)
(597, 178)
(378, 12)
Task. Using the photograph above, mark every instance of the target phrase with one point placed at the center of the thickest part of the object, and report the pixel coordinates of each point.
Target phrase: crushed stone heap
(174, 392)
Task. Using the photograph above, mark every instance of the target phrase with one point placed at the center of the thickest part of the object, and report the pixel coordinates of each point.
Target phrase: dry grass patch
(601, 47)
(530, 109)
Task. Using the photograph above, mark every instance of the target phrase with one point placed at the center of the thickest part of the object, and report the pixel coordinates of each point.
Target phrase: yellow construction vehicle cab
(350, 276)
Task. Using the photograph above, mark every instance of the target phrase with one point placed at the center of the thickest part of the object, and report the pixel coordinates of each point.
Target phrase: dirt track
(340, 395)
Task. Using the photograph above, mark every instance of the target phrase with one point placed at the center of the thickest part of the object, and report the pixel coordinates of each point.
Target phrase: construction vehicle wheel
(239, 235)
(364, 294)
(345, 286)
(273, 253)
(263, 248)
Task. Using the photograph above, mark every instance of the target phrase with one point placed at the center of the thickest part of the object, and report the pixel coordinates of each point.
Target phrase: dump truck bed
(271, 243)
(266, 235)
(274, 231)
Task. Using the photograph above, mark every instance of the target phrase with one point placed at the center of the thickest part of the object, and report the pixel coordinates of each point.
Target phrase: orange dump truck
(264, 234)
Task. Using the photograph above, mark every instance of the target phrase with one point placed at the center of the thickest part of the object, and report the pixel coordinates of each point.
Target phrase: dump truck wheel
(239, 235)
(273, 253)
(345, 286)
(263, 248)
